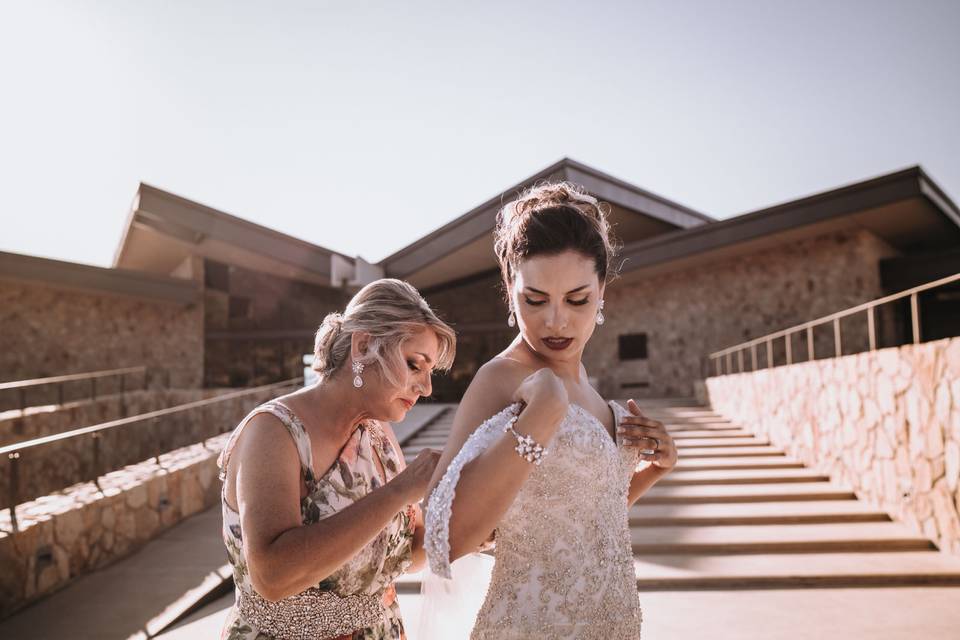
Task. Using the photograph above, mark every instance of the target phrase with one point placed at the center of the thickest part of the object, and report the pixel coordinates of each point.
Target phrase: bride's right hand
(543, 391)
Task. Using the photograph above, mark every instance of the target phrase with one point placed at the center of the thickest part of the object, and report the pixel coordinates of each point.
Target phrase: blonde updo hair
(551, 218)
(390, 311)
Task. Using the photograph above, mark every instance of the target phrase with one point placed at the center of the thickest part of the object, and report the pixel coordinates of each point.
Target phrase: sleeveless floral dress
(356, 602)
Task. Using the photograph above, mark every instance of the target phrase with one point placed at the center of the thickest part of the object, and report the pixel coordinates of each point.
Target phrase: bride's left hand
(645, 434)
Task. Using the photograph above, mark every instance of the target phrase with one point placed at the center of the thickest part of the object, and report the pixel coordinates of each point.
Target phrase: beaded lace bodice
(564, 562)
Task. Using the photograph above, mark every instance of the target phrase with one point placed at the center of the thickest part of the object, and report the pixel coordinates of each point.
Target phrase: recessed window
(633, 346)
(239, 307)
(217, 275)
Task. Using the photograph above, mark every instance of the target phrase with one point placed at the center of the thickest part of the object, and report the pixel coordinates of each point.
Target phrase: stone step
(856, 537)
(785, 571)
(730, 452)
(686, 464)
(683, 414)
(799, 491)
(680, 572)
(732, 434)
(740, 476)
(714, 425)
(755, 513)
(711, 443)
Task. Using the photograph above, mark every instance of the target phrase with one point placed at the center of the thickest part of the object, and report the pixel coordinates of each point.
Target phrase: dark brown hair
(551, 218)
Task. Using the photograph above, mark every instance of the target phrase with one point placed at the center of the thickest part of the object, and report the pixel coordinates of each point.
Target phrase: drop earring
(357, 370)
(512, 319)
(600, 318)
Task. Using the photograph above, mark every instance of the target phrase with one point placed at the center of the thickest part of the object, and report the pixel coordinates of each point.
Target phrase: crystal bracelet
(528, 448)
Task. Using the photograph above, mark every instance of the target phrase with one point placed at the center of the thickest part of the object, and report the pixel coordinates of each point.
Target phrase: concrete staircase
(738, 513)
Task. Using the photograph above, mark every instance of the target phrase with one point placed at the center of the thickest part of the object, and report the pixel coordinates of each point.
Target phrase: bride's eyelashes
(537, 303)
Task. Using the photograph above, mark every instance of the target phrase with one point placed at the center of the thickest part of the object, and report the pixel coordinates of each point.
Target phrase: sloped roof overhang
(465, 232)
(905, 208)
(164, 229)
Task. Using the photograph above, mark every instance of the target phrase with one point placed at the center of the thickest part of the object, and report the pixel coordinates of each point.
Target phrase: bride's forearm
(489, 484)
(642, 481)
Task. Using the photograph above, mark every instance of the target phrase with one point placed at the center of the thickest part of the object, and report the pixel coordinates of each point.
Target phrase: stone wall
(60, 464)
(49, 331)
(886, 423)
(85, 527)
(688, 314)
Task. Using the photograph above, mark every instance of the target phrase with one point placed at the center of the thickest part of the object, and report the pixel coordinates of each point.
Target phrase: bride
(538, 463)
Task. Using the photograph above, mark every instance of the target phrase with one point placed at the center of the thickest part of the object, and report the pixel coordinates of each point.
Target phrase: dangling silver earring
(511, 320)
(600, 318)
(357, 370)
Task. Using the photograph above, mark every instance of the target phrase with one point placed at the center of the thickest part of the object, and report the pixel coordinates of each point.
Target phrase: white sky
(362, 126)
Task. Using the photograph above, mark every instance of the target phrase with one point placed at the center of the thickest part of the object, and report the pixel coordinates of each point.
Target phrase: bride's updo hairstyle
(390, 311)
(551, 218)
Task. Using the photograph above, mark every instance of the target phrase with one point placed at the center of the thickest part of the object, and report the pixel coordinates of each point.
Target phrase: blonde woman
(319, 513)
(551, 475)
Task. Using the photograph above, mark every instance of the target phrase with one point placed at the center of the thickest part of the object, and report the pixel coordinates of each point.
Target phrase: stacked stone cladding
(886, 423)
(51, 467)
(49, 331)
(75, 531)
(689, 313)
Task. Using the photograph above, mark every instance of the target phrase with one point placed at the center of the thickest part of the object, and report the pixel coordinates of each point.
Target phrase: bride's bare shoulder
(491, 389)
(500, 376)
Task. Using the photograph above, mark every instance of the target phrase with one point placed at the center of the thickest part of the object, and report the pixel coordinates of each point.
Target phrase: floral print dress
(361, 592)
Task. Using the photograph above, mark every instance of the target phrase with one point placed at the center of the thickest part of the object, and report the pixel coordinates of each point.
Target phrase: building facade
(220, 301)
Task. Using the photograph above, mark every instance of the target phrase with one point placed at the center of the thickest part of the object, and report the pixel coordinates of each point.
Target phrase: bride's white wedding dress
(564, 561)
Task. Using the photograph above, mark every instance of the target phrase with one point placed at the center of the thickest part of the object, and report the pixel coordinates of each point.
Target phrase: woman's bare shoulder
(491, 390)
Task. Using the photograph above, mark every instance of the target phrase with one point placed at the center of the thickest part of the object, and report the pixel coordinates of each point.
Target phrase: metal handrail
(717, 356)
(22, 385)
(13, 451)
(69, 377)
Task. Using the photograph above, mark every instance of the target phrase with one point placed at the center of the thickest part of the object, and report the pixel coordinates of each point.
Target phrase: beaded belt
(310, 615)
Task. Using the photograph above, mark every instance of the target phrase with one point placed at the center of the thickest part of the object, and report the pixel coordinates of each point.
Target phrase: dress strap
(294, 427)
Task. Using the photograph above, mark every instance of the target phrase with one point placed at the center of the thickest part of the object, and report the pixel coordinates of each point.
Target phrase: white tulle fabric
(564, 562)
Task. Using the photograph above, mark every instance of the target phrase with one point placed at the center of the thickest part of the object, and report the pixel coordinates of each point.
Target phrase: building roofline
(818, 207)
(664, 209)
(225, 228)
(73, 275)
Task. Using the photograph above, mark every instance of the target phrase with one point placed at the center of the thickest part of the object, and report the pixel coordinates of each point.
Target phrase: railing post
(811, 356)
(753, 356)
(14, 487)
(155, 437)
(838, 349)
(95, 466)
(915, 317)
(789, 343)
(871, 328)
(769, 353)
(716, 365)
(729, 363)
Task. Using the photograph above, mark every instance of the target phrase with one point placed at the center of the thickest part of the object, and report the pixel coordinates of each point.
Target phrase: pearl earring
(600, 318)
(357, 370)
(511, 320)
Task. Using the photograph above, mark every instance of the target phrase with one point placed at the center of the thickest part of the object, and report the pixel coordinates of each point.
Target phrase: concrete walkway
(138, 596)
